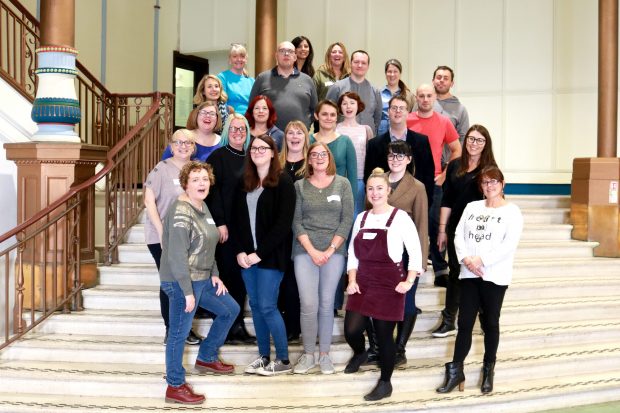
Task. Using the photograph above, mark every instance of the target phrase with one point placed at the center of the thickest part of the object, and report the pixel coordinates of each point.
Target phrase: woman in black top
(459, 189)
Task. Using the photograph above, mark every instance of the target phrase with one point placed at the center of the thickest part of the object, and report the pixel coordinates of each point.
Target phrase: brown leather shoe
(183, 395)
(214, 367)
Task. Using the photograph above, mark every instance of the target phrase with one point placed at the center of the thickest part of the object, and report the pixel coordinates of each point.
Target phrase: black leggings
(354, 326)
(484, 295)
(164, 304)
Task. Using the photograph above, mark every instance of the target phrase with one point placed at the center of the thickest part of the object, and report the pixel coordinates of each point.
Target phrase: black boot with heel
(454, 377)
(404, 330)
(488, 373)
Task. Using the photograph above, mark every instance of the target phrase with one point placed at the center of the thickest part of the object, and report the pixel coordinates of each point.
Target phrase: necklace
(232, 150)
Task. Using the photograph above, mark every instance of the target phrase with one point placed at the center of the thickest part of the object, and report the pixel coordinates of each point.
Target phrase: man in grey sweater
(357, 82)
(292, 93)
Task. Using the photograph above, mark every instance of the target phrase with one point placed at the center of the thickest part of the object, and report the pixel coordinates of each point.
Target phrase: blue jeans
(360, 197)
(225, 309)
(263, 286)
(440, 266)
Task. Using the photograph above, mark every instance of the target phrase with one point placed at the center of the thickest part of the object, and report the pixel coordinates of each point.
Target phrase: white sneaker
(304, 364)
(256, 365)
(274, 368)
(326, 365)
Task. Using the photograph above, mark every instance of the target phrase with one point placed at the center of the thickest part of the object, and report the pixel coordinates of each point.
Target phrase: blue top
(238, 88)
(345, 157)
(386, 95)
(201, 154)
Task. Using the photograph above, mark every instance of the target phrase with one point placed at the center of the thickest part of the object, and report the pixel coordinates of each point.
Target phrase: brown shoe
(183, 395)
(214, 367)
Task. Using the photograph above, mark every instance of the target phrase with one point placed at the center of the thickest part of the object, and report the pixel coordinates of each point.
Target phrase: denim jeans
(440, 266)
(263, 286)
(225, 309)
(317, 285)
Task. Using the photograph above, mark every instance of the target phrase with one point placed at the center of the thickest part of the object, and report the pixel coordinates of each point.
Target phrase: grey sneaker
(256, 365)
(304, 364)
(274, 368)
(327, 367)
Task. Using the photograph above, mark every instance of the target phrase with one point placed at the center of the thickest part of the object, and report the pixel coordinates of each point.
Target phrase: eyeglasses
(398, 108)
(315, 155)
(286, 52)
(259, 149)
(396, 156)
(491, 182)
(479, 141)
(207, 114)
(183, 143)
(239, 129)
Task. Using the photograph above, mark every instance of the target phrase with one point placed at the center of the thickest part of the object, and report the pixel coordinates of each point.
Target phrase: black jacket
(274, 218)
(376, 157)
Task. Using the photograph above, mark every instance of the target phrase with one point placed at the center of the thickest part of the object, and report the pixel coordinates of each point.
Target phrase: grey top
(454, 110)
(252, 200)
(293, 97)
(322, 213)
(370, 95)
(188, 245)
(163, 180)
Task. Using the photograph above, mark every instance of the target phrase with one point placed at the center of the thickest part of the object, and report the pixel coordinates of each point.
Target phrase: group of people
(282, 187)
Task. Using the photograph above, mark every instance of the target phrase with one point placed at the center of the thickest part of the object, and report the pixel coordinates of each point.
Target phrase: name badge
(210, 221)
(369, 235)
(329, 83)
(335, 198)
(176, 182)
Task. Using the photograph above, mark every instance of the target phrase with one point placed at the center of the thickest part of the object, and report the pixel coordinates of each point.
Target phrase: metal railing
(44, 260)
(106, 117)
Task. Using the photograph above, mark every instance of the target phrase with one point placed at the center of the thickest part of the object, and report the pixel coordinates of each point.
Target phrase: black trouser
(164, 305)
(452, 290)
(230, 274)
(479, 294)
(288, 301)
(354, 326)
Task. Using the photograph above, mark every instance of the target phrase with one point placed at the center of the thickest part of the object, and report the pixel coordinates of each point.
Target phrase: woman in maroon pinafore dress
(377, 280)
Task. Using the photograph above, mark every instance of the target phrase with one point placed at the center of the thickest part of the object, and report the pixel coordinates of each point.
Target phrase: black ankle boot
(488, 373)
(239, 335)
(355, 362)
(454, 377)
(404, 330)
(373, 349)
(382, 390)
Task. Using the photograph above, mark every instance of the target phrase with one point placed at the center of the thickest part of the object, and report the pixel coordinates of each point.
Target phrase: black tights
(354, 326)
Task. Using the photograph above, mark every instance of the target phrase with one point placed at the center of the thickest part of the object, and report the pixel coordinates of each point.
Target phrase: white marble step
(144, 380)
(546, 216)
(527, 202)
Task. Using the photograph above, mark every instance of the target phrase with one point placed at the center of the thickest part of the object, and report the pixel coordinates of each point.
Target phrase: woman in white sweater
(486, 240)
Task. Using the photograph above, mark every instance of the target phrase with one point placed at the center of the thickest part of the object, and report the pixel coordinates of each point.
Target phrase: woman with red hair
(261, 116)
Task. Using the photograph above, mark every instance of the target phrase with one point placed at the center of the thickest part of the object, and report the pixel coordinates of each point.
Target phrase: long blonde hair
(295, 124)
(200, 97)
(346, 64)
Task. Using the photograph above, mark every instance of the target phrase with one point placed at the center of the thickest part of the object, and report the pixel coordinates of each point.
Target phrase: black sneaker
(192, 339)
(444, 330)
(356, 361)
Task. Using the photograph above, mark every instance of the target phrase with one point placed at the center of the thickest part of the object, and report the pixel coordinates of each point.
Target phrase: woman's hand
(474, 264)
(442, 240)
(318, 257)
(190, 303)
(217, 282)
(253, 258)
(223, 230)
(243, 260)
(353, 288)
(403, 287)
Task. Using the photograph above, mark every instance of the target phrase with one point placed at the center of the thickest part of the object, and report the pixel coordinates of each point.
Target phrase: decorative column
(595, 211)
(56, 108)
(266, 32)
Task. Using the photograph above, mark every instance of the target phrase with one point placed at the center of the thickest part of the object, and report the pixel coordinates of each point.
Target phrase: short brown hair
(193, 166)
(331, 166)
(491, 172)
(354, 96)
(323, 103)
(192, 119)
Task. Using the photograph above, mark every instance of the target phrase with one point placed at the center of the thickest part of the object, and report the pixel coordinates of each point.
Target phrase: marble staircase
(559, 345)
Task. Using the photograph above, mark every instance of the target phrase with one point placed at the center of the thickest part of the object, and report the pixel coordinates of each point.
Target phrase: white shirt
(492, 234)
(402, 231)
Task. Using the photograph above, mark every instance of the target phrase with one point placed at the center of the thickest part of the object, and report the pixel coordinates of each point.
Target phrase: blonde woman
(337, 66)
(236, 82)
(210, 89)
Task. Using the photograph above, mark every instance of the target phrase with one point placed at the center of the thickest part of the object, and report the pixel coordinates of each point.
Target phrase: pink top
(439, 130)
(358, 136)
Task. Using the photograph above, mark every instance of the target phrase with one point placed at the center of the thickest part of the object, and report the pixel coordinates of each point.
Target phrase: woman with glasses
(162, 188)
(323, 218)
(378, 279)
(293, 160)
(395, 87)
(485, 240)
(460, 188)
(228, 163)
(349, 105)
(261, 116)
(202, 123)
(210, 89)
(236, 82)
(264, 208)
